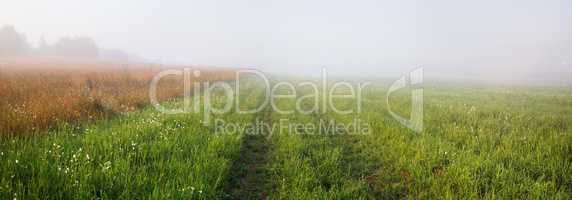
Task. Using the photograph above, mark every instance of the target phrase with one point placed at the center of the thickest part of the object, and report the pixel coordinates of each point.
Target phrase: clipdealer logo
(323, 95)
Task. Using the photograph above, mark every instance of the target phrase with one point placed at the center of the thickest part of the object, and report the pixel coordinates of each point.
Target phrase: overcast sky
(520, 38)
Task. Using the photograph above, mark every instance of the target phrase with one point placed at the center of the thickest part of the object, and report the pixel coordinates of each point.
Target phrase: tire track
(248, 175)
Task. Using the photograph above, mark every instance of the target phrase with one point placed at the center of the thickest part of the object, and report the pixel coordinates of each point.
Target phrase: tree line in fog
(13, 43)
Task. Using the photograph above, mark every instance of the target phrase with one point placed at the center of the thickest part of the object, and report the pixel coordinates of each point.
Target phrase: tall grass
(39, 95)
(309, 163)
(143, 155)
(478, 143)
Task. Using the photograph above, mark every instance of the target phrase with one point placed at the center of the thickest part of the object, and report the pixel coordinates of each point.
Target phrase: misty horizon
(522, 41)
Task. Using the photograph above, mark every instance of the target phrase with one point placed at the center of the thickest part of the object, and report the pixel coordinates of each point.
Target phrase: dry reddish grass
(42, 93)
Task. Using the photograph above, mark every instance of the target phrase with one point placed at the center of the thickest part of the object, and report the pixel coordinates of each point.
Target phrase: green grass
(510, 143)
(478, 143)
(145, 155)
(310, 164)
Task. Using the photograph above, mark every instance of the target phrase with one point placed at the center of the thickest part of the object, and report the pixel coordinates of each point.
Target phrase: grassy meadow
(42, 93)
(478, 142)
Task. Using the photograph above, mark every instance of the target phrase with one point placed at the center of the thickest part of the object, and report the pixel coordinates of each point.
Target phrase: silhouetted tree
(12, 43)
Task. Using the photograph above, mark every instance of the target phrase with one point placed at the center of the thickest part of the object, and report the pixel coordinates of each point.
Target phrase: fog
(526, 41)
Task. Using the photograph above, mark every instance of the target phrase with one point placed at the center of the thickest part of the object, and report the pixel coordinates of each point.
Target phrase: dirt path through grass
(248, 175)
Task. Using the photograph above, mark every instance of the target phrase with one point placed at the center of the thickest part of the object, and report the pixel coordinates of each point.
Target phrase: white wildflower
(106, 165)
